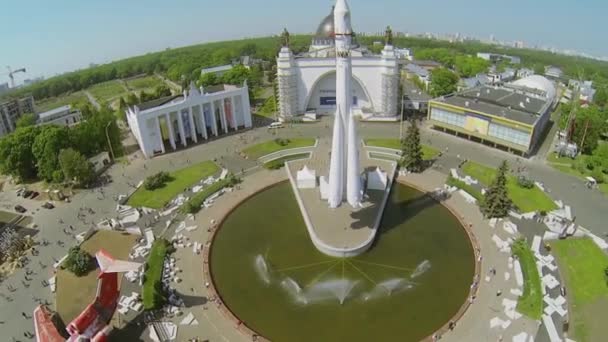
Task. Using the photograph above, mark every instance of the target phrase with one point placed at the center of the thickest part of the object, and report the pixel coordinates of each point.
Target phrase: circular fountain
(412, 281)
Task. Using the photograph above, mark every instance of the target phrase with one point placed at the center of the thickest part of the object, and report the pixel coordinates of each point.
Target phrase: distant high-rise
(12, 110)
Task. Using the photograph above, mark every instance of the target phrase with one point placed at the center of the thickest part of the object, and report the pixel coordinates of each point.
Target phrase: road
(92, 100)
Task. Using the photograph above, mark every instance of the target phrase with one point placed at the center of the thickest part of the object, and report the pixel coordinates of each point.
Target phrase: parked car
(48, 205)
(27, 193)
(34, 194)
(275, 125)
(20, 209)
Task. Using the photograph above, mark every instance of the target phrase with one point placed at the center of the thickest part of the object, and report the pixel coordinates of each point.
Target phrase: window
(509, 134)
(448, 117)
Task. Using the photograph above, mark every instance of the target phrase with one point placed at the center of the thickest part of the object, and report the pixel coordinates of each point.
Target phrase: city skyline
(50, 43)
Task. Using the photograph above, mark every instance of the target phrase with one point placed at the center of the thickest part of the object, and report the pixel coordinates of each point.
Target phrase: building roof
(326, 28)
(54, 112)
(499, 101)
(416, 69)
(412, 93)
(475, 81)
(538, 82)
(159, 102)
(216, 69)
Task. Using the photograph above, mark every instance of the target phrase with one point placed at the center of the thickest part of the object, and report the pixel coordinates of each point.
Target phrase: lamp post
(401, 122)
(109, 143)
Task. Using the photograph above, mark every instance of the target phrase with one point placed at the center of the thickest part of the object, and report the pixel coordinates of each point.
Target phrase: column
(203, 123)
(160, 134)
(223, 115)
(180, 126)
(170, 129)
(213, 118)
(233, 109)
(246, 109)
(192, 126)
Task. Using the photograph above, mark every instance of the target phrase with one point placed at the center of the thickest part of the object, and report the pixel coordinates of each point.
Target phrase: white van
(275, 125)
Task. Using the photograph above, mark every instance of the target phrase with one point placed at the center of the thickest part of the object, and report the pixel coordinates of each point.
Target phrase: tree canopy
(496, 201)
(75, 167)
(25, 120)
(50, 140)
(33, 151)
(443, 82)
(589, 124)
(411, 159)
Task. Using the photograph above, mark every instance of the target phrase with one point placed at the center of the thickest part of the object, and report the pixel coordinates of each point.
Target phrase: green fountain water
(411, 282)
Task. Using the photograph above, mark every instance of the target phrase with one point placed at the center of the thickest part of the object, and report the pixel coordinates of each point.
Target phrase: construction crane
(11, 74)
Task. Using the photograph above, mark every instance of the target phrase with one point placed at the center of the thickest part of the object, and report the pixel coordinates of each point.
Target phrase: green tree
(78, 261)
(208, 79)
(75, 167)
(162, 90)
(443, 82)
(47, 145)
(469, 66)
(27, 120)
(496, 201)
(236, 75)
(411, 150)
(589, 125)
(122, 104)
(599, 158)
(539, 69)
(601, 96)
(16, 157)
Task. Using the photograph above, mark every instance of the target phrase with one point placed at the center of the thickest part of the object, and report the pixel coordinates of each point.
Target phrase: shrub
(274, 164)
(281, 141)
(195, 203)
(153, 295)
(156, 181)
(525, 182)
(598, 175)
(78, 261)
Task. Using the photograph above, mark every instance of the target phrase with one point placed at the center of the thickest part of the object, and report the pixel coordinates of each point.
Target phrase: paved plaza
(91, 206)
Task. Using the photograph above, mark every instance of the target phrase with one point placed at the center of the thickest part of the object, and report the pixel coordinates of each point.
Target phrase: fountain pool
(412, 281)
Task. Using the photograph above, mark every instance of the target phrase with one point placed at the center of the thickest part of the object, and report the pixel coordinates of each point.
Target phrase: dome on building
(326, 28)
(538, 82)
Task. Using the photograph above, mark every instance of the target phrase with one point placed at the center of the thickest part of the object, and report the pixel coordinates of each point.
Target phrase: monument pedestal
(343, 231)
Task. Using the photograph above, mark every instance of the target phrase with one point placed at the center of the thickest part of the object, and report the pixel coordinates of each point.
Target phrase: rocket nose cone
(341, 7)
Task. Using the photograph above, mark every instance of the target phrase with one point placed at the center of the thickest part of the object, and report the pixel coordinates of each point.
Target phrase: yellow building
(511, 117)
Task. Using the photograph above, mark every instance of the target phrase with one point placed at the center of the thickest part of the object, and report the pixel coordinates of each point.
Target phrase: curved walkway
(474, 324)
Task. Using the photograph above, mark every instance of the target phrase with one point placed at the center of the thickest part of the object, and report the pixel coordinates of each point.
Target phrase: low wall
(282, 153)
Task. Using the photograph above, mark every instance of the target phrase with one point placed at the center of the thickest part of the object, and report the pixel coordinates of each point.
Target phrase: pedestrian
(24, 315)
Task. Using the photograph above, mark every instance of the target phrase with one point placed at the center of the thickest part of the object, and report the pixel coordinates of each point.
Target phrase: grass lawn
(181, 179)
(74, 293)
(107, 91)
(51, 103)
(280, 162)
(143, 83)
(152, 295)
(268, 108)
(531, 301)
(526, 200)
(565, 165)
(270, 146)
(451, 181)
(581, 264)
(428, 152)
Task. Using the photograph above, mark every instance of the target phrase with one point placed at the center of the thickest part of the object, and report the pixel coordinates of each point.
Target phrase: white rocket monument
(344, 171)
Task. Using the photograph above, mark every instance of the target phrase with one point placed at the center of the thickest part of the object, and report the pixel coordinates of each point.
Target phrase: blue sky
(49, 37)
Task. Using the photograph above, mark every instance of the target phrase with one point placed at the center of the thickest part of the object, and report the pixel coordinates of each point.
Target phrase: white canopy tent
(377, 179)
(306, 178)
